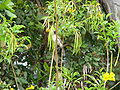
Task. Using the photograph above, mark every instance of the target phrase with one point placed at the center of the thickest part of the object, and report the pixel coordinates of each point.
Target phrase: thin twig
(39, 3)
(51, 67)
(117, 57)
(111, 61)
(14, 75)
(107, 59)
(114, 86)
(56, 54)
(62, 55)
(105, 83)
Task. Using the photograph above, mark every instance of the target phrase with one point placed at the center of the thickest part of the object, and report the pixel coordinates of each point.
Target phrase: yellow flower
(100, 14)
(31, 87)
(71, 10)
(112, 76)
(98, 4)
(12, 89)
(106, 76)
(91, 16)
(47, 30)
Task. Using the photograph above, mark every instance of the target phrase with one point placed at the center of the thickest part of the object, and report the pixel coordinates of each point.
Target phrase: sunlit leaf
(10, 14)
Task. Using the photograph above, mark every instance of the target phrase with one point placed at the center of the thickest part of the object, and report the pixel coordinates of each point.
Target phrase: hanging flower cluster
(109, 76)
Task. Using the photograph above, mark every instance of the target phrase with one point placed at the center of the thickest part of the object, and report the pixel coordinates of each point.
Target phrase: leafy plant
(71, 79)
(95, 81)
(10, 43)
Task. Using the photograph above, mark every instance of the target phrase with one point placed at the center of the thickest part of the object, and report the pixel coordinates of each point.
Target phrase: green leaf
(46, 67)
(10, 14)
(93, 78)
(25, 75)
(16, 28)
(108, 15)
(6, 1)
(22, 80)
(76, 73)
(91, 83)
(79, 89)
(1, 60)
(18, 71)
(19, 1)
(2, 6)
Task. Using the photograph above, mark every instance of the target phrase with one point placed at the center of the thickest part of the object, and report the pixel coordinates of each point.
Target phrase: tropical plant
(10, 42)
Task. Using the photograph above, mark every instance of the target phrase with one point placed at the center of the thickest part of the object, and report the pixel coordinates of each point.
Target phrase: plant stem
(51, 67)
(107, 63)
(111, 61)
(105, 83)
(114, 86)
(56, 55)
(117, 57)
(107, 59)
(14, 75)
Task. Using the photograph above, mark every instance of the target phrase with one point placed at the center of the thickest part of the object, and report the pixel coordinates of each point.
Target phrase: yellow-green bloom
(112, 76)
(106, 76)
(100, 14)
(47, 30)
(31, 87)
(71, 10)
(98, 4)
(12, 89)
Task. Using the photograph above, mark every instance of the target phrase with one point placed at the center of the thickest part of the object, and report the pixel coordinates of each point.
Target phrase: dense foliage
(86, 56)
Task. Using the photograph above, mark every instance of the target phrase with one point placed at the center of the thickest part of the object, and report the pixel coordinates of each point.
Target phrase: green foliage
(10, 41)
(51, 43)
(72, 78)
(6, 4)
(68, 22)
(6, 8)
(86, 33)
(52, 88)
(95, 80)
(95, 88)
(4, 86)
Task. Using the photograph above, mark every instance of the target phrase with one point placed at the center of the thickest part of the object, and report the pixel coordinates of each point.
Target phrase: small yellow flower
(100, 14)
(47, 30)
(112, 76)
(91, 16)
(71, 10)
(98, 4)
(31, 87)
(12, 89)
(106, 76)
